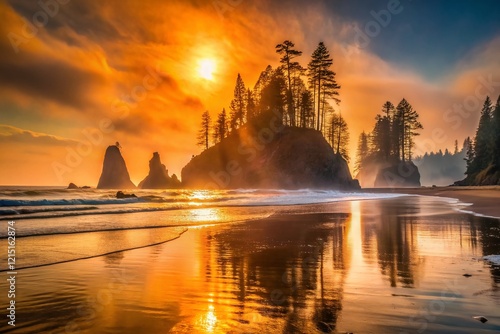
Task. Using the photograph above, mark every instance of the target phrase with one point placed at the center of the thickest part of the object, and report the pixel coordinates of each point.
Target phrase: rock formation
(158, 176)
(398, 175)
(269, 157)
(114, 171)
(120, 195)
(74, 186)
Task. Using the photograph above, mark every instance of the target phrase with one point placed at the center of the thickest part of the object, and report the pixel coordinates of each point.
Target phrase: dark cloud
(83, 17)
(50, 80)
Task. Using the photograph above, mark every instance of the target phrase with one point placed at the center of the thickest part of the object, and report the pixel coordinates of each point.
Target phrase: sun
(206, 68)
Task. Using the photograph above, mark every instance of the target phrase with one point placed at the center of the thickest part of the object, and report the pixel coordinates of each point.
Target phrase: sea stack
(114, 171)
(288, 158)
(158, 176)
(398, 175)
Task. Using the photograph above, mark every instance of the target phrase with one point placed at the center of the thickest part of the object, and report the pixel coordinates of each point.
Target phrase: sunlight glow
(206, 68)
(354, 239)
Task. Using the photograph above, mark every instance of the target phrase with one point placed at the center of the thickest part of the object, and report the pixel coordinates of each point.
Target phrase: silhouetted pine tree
(306, 110)
(362, 152)
(406, 119)
(323, 80)
(483, 140)
(250, 106)
(338, 135)
(221, 128)
(469, 154)
(496, 135)
(273, 96)
(204, 132)
(288, 53)
(238, 104)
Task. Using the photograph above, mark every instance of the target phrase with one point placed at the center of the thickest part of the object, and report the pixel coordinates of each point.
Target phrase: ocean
(247, 261)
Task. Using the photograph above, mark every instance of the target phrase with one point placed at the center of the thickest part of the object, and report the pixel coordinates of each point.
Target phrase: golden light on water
(355, 241)
(204, 215)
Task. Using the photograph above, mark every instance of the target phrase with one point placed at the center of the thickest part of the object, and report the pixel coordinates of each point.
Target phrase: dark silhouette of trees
(306, 110)
(221, 128)
(263, 81)
(273, 96)
(204, 132)
(288, 53)
(238, 104)
(483, 156)
(496, 134)
(363, 151)
(323, 81)
(338, 135)
(469, 152)
(407, 125)
(392, 138)
(483, 147)
(250, 106)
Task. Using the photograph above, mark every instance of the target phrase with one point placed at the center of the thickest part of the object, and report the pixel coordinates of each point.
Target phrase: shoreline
(483, 200)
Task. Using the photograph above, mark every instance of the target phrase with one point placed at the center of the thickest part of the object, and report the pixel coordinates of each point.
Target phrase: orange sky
(129, 73)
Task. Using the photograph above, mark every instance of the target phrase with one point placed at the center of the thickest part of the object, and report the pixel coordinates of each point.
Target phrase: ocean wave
(28, 211)
(71, 212)
(108, 201)
(75, 201)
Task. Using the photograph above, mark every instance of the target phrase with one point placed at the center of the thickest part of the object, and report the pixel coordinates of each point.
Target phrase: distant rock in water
(114, 171)
(74, 186)
(158, 176)
(269, 157)
(398, 175)
(121, 194)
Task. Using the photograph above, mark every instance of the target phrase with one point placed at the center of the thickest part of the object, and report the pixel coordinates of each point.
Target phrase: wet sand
(377, 266)
(484, 200)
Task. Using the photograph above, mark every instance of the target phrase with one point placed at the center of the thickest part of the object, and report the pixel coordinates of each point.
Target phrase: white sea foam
(495, 259)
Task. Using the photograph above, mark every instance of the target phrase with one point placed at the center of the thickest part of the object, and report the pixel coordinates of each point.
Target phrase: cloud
(93, 55)
(10, 134)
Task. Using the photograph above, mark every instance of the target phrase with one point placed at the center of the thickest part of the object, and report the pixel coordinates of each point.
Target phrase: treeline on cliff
(302, 97)
(483, 155)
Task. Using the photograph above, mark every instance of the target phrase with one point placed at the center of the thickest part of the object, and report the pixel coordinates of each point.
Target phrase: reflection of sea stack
(158, 176)
(114, 171)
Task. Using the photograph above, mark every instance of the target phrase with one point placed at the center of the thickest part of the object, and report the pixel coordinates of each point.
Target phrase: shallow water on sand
(373, 266)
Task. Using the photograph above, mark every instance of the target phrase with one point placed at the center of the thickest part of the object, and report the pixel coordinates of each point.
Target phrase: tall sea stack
(158, 176)
(114, 171)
